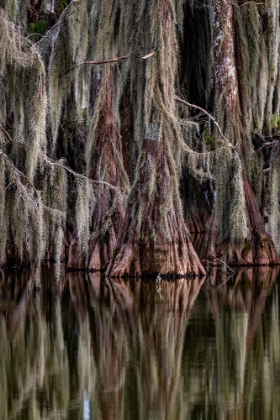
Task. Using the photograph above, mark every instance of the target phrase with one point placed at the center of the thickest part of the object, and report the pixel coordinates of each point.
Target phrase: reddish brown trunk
(257, 249)
(75, 258)
(139, 252)
(262, 248)
(153, 238)
(126, 130)
(197, 223)
(109, 212)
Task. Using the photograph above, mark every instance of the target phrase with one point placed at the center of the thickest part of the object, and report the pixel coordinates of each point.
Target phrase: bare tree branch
(98, 62)
(247, 2)
(268, 144)
(78, 175)
(228, 143)
(148, 55)
(6, 134)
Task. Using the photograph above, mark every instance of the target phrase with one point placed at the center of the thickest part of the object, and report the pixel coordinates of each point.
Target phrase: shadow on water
(89, 348)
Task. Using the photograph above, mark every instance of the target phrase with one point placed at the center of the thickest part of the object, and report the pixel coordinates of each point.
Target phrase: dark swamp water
(93, 349)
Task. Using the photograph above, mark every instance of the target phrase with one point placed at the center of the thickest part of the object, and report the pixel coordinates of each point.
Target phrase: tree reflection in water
(247, 344)
(90, 348)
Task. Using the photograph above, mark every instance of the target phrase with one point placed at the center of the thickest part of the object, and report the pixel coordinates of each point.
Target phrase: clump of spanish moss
(12, 9)
(22, 210)
(84, 204)
(21, 65)
(230, 201)
(274, 177)
(68, 47)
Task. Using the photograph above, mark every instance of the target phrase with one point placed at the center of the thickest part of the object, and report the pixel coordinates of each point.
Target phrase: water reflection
(94, 349)
(247, 343)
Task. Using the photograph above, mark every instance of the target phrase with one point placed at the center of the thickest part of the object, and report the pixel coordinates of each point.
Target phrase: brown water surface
(89, 348)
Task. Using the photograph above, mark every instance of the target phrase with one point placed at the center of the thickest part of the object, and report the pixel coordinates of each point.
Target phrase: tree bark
(107, 154)
(154, 238)
(226, 81)
(76, 260)
(257, 248)
(140, 253)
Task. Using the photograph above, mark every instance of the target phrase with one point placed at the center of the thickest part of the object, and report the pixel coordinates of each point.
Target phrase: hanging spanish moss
(238, 96)
(158, 242)
(103, 161)
(230, 201)
(21, 65)
(274, 178)
(12, 9)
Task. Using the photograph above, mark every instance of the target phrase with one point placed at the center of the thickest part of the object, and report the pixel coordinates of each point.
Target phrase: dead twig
(268, 144)
(219, 261)
(227, 142)
(247, 2)
(148, 55)
(99, 62)
(6, 134)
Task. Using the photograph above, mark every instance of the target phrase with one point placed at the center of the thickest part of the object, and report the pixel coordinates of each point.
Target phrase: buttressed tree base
(124, 126)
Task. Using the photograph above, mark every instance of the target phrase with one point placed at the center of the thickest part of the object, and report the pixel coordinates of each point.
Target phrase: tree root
(169, 260)
(102, 252)
(258, 248)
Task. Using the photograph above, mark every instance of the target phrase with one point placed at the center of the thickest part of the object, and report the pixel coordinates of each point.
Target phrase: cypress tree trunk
(154, 237)
(145, 249)
(224, 56)
(197, 210)
(253, 246)
(109, 211)
(107, 170)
